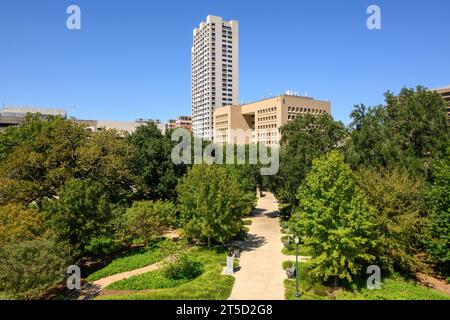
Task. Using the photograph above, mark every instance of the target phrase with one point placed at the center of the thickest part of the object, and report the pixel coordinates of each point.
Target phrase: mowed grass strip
(211, 285)
(150, 280)
(136, 259)
(393, 288)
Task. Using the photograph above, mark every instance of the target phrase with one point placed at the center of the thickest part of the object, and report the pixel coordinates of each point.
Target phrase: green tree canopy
(400, 216)
(409, 131)
(152, 164)
(29, 268)
(18, 223)
(335, 220)
(105, 158)
(37, 157)
(304, 139)
(439, 220)
(146, 220)
(211, 204)
(81, 211)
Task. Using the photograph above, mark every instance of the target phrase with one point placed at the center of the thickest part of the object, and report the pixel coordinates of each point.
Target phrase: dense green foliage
(409, 131)
(439, 221)
(146, 220)
(81, 212)
(29, 268)
(303, 140)
(334, 220)
(399, 202)
(18, 223)
(393, 287)
(211, 204)
(385, 201)
(184, 267)
(152, 164)
(37, 158)
(395, 151)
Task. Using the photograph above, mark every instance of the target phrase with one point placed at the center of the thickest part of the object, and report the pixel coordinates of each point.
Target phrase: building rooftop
(9, 111)
(282, 96)
(442, 88)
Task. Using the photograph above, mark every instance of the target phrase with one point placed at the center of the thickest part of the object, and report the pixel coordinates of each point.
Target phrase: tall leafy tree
(146, 220)
(439, 220)
(152, 163)
(106, 158)
(81, 212)
(400, 208)
(37, 157)
(409, 131)
(304, 139)
(211, 204)
(335, 219)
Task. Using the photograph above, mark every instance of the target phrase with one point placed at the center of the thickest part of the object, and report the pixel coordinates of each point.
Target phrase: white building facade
(215, 71)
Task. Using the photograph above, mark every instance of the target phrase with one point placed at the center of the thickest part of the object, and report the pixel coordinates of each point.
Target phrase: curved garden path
(92, 289)
(261, 274)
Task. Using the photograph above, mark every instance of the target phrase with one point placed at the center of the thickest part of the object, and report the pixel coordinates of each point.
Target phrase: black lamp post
(296, 240)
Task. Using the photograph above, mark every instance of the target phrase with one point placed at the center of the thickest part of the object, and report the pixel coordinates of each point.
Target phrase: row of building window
(267, 118)
(267, 110)
(307, 110)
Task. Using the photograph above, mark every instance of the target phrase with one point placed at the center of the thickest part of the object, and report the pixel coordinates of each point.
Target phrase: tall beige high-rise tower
(215, 71)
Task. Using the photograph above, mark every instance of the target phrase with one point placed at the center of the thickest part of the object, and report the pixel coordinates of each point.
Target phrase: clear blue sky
(132, 58)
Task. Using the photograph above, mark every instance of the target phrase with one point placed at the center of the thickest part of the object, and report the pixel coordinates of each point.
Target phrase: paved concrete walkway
(92, 289)
(261, 274)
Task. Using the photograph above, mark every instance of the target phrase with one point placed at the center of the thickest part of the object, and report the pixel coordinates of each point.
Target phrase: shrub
(146, 220)
(439, 220)
(101, 245)
(29, 268)
(184, 267)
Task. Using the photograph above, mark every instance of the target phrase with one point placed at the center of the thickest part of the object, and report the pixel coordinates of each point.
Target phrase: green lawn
(302, 251)
(134, 260)
(393, 288)
(211, 285)
(150, 280)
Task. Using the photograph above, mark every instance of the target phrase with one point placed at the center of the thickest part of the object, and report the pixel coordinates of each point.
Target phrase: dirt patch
(433, 282)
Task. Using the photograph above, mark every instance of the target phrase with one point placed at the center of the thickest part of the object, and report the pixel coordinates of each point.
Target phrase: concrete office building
(14, 116)
(445, 93)
(215, 71)
(263, 119)
(184, 122)
(121, 126)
